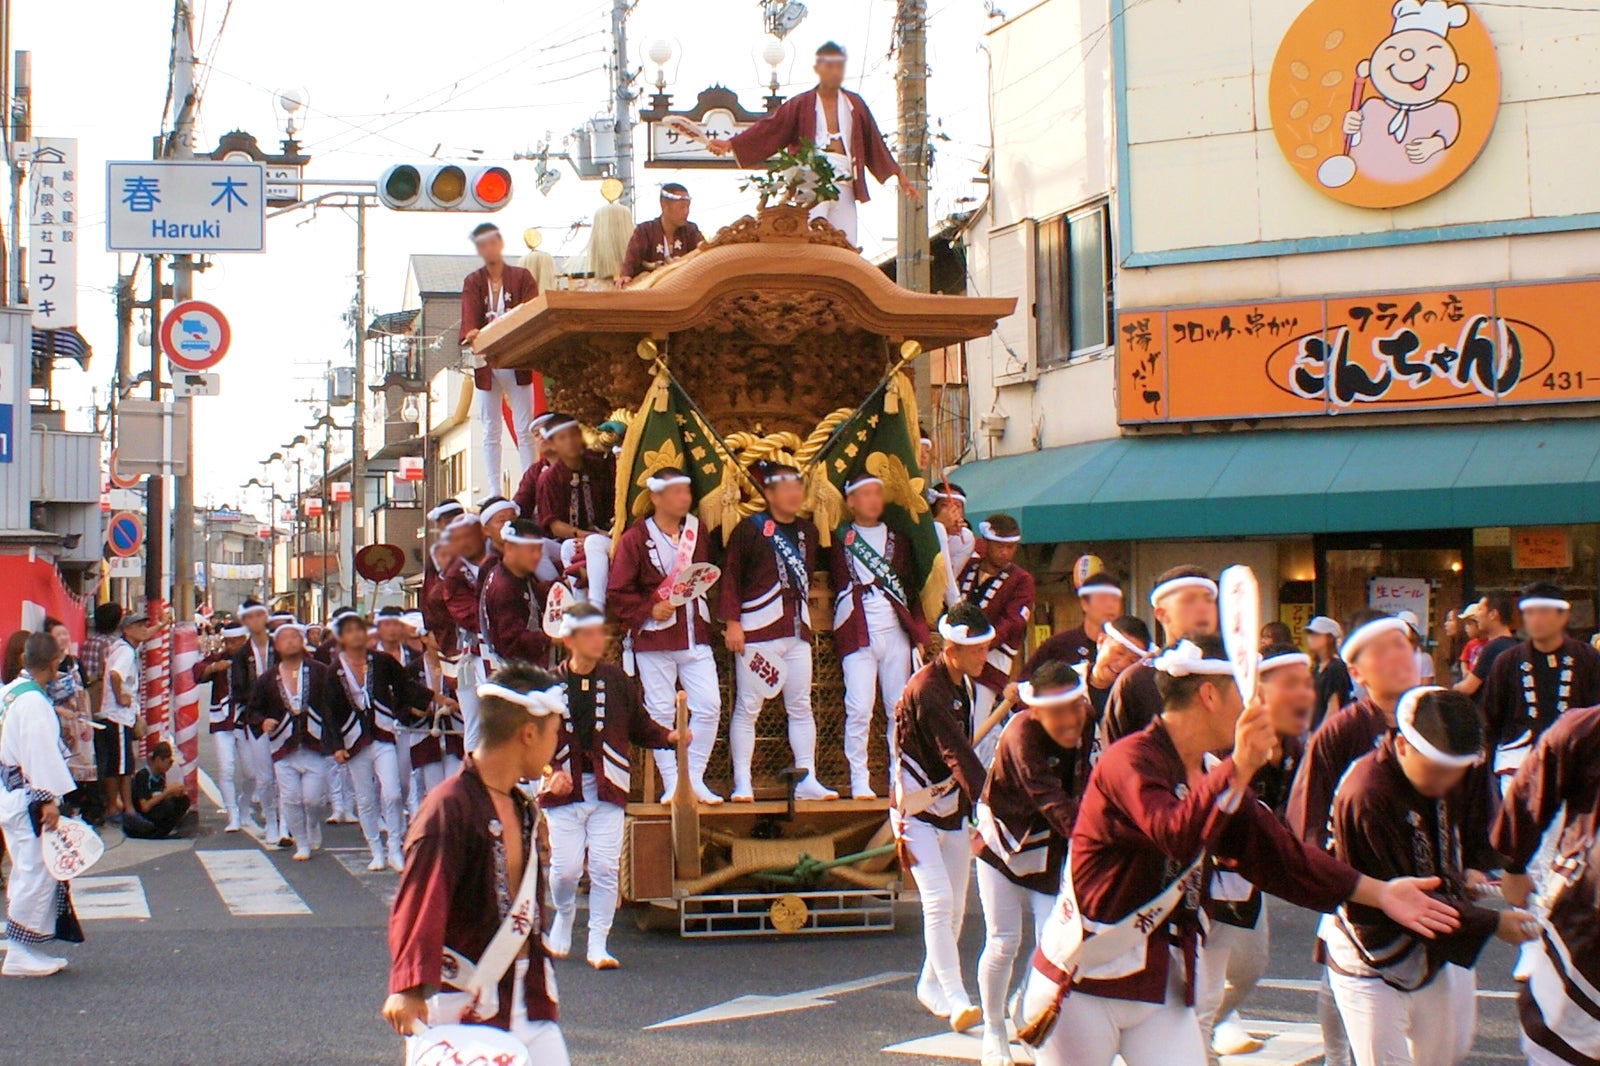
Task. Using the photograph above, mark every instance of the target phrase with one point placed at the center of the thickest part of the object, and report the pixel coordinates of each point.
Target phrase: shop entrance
(1426, 571)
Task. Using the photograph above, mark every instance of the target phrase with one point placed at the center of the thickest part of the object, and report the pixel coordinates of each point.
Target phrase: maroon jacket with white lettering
(931, 731)
(1143, 820)
(1006, 600)
(849, 611)
(637, 570)
(620, 721)
(1030, 802)
(460, 589)
(751, 591)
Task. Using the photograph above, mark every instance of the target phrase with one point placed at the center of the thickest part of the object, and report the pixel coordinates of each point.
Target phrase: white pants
(341, 789)
(545, 1044)
(258, 753)
(796, 656)
(1007, 909)
(1432, 1026)
(232, 759)
(520, 400)
(303, 787)
(885, 663)
(596, 563)
(432, 775)
(469, 675)
(840, 213)
(942, 863)
(595, 828)
(31, 899)
(375, 772)
(1335, 1042)
(1231, 962)
(660, 672)
(1093, 1030)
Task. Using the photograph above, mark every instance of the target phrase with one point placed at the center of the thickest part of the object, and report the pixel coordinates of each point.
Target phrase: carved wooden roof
(771, 280)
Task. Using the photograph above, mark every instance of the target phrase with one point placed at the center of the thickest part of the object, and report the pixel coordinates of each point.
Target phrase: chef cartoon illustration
(1400, 134)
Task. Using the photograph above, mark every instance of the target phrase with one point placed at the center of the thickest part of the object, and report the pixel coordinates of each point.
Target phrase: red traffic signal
(444, 187)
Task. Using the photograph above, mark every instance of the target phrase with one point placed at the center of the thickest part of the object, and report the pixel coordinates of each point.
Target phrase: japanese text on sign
(185, 206)
(53, 233)
(1456, 348)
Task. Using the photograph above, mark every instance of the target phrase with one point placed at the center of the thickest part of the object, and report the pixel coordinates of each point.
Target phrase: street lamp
(289, 103)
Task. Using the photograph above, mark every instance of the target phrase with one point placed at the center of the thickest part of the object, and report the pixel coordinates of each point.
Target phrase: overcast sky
(405, 80)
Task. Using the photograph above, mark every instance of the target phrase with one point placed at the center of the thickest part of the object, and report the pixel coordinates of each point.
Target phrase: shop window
(1072, 285)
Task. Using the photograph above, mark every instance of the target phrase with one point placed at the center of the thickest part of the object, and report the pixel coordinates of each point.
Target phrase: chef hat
(1444, 727)
(1435, 16)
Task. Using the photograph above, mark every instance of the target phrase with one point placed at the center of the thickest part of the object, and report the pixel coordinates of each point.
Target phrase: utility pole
(181, 146)
(912, 256)
(21, 124)
(358, 432)
(155, 522)
(624, 99)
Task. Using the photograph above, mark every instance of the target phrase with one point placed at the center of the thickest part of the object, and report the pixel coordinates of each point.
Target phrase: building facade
(1279, 306)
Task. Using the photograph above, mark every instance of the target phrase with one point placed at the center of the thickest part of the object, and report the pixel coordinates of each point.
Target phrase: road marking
(1288, 1044)
(249, 884)
(1290, 984)
(103, 898)
(209, 787)
(382, 884)
(761, 1006)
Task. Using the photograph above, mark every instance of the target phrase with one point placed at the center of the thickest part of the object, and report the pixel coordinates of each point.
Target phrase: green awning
(1286, 482)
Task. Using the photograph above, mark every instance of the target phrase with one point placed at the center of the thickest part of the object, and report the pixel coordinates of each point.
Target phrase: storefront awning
(1277, 483)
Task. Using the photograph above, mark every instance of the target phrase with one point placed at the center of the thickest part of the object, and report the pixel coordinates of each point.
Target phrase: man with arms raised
(471, 858)
(671, 645)
(1154, 808)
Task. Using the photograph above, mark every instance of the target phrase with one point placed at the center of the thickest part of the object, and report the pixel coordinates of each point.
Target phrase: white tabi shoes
(558, 941)
(378, 863)
(812, 789)
(22, 960)
(996, 1049)
(397, 859)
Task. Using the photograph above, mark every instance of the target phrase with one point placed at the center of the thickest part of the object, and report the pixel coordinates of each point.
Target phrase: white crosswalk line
(102, 898)
(1288, 1044)
(249, 884)
(354, 860)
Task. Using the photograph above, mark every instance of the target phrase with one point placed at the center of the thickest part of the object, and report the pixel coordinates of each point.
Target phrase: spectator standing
(157, 806)
(1425, 668)
(92, 656)
(71, 700)
(1494, 629)
(119, 715)
(1328, 671)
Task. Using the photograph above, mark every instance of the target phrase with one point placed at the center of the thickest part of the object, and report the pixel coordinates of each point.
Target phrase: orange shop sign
(1394, 351)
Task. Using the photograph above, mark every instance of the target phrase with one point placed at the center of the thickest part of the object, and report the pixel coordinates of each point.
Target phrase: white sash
(482, 979)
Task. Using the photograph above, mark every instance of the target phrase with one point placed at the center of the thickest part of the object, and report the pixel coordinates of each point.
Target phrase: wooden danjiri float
(775, 338)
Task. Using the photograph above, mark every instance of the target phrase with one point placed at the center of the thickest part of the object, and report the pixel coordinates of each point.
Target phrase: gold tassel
(825, 504)
(1036, 1032)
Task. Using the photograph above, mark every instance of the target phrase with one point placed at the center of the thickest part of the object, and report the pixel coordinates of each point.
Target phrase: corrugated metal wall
(66, 467)
(16, 477)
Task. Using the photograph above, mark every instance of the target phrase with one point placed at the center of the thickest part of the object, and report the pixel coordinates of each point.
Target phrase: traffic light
(444, 187)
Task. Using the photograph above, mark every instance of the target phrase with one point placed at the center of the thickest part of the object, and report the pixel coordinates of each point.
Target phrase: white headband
(661, 484)
(539, 703)
(1121, 638)
(1362, 635)
(1185, 659)
(539, 420)
(1544, 601)
(280, 616)
(446, 508)
(570, 625)
(296, 626)
(682, 197)
(516, 538)
(1101, 586)
(1288, 658)
(953, 494)
(778, 477)
(253, 609)
(1405, 716)
(463, 520)
(1167, 588)
(1055, 699)
(547, 431)
(864, 480)
(986, 531)
(340, 617)
(413, 620)
(234, 632)
(496, 508)
(960, 634)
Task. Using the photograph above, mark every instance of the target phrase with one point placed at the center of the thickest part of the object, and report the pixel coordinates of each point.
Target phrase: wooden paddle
(996, 716)
(685, 812)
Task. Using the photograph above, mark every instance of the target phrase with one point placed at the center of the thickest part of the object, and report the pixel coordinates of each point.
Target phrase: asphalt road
(247, 958)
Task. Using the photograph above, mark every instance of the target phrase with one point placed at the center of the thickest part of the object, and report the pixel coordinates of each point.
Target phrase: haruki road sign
(125, 534)
(195, 336)
(197, 206)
